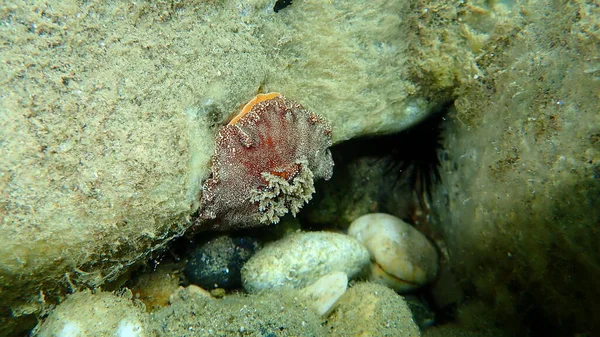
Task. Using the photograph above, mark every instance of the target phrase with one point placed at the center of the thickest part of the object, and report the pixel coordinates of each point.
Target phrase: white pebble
(403, 258)
(300, 259)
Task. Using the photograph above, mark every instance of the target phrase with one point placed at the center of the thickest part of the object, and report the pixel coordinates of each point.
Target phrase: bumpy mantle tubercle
(265, 163)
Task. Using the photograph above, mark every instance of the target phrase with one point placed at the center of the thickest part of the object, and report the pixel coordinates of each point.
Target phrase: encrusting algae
(264, 164)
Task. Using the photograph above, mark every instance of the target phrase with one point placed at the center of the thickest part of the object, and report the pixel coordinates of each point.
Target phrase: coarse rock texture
(369, 309)
(351, 56)
(101, 314)
(109, 111)
(192, 311)
(272, 314)
(519, 206)
(300, 259)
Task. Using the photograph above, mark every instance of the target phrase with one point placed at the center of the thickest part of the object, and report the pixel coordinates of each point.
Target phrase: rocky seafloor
(473, 127)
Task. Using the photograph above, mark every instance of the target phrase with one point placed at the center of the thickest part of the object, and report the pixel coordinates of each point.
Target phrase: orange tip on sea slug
(257, 99)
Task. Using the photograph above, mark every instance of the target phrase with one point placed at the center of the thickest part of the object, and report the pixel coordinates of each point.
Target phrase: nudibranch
(257, 99)
(265, 163)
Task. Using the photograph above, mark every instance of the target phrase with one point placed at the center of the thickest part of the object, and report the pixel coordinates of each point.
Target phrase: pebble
(402, 257)
(301, 259)
(217, 263)
(96, 314)
(192, 289)
(155, 288)
(323, 295)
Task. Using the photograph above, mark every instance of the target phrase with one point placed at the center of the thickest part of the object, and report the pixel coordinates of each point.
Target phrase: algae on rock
(349, 61)
(369, 309)
(109, 110)
(107, 125)
(519, 205)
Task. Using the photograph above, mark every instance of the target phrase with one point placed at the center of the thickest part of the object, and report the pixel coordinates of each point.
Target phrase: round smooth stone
(301, 259)
(217, 263)
(402, 257)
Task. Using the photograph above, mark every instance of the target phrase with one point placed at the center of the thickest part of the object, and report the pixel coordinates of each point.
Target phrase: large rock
(349, 61)
(109, 110)
(519, 206)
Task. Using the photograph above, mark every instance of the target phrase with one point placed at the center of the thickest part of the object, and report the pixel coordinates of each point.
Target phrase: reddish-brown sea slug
(264, 164)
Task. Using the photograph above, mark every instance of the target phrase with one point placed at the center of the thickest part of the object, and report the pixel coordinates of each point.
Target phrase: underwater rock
(154, 287)
(264, 164)
(300, 259)
(369, 309)
(355, 68)
(402, 258)
(268, 315)
(325, 292)
(102, 314)
(217, 263)
(519, 208)
(183, 292)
